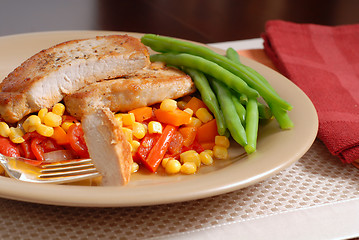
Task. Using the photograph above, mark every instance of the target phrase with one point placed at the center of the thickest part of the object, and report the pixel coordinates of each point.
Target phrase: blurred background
(205, 21)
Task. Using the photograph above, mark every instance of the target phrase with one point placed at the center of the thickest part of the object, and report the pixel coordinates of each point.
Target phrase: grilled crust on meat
(109, 150)
(43, 79)
(146, 87)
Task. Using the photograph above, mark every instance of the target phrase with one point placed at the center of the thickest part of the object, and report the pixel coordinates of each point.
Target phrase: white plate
(276, 149)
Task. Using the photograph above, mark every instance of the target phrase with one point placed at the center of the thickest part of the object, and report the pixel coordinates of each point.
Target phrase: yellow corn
(128, 133)
(31, 123)
(220, 152)
(52, 120)
(190, 156)
(189, 168)
(4, 129)
(221, 141)
(204, 115)
(194, 122)
(168, 105)
(16, 134)
(181, 104)
(118, 118)
(154, 127)
(210, 152)
(164, 162)
(206, 158)
(59, 109)
(134, 145)
(139, 130)
(42, 114)
(173, 166)
(188, 110)
(45, 130)
(134, 167)
(127, 118)
(66, 125)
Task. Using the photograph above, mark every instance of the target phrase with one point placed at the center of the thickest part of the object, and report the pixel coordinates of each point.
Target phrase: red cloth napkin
(324, 62)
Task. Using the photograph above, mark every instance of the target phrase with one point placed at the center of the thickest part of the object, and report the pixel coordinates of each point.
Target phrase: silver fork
(56, 173)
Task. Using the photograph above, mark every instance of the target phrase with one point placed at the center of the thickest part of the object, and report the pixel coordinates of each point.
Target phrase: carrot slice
(142, 113)
(159, 150)
(175, 118)
(207, 132)
(208, 145)
(189, 134)
(60, 136)
(195, 104)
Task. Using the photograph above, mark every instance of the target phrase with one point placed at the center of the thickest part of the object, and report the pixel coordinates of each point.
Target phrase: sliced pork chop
(43, 80)
(108, 147)
(146, 87)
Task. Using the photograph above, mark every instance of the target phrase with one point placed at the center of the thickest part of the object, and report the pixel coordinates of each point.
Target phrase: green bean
(233, 55)
(167, 44)
(264, 112)
(208, 67)
(208, 97)
(282, 117)
(231, 117)
(252, 119)
(240, 109)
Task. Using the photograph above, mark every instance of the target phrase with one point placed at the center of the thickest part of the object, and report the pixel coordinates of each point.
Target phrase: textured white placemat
(315, 180)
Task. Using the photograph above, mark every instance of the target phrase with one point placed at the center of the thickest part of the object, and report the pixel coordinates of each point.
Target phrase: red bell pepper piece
(159, 150)
(8, 148)
(145, 147)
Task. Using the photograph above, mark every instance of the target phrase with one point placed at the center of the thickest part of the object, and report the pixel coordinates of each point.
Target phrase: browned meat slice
(108, 147)
(43, 80)
(146, 87)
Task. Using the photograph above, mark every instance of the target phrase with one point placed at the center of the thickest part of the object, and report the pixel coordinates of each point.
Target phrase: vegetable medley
(178, 135)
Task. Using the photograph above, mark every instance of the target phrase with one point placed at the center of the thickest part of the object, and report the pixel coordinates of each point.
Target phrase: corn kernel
(66, 125)
(220, 152)
(118, 118)
(173, 166)
(203, 115)
(194, 122)
(4, 129)
(154, 127)
(42, 114)
(206, 158)
(168, 105)
(127, 118)
(134, 167)
(190, 156)
(128, 133)
(222, 141)
(31, 122)
(134, 144)
(164, 162)
(189, 168)
(15, 135)
(189, 111)
(138, 130)
(210, 152)
(45, 130)
(52, 120)
(59, 109)
(181, 104)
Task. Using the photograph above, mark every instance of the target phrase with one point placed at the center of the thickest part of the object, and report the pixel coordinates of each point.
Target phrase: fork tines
(67, 168)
